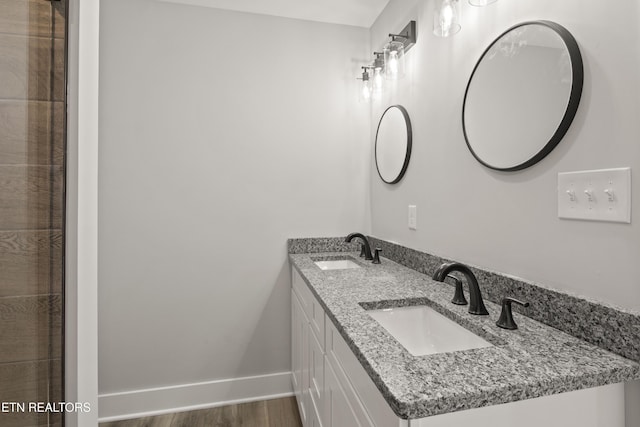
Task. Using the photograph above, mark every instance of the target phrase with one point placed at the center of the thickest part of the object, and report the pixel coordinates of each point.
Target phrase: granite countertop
(534, 360)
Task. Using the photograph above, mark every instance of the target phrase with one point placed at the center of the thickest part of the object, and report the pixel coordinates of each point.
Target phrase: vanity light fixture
(389, 63)
(395, 50)
(366, 90)
(446, 19)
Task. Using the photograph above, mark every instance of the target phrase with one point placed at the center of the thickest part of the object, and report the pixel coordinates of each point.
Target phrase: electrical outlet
(596, 195)
(413, 217)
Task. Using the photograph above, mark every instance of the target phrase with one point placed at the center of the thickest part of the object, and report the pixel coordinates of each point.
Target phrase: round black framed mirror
(393, 144)
(522, 95)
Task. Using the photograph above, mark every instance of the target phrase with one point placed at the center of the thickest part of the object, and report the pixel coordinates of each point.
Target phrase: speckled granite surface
(533, 361)
(611, 328)
(321, 244)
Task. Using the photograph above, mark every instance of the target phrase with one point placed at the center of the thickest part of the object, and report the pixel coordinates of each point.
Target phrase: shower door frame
(81, 234)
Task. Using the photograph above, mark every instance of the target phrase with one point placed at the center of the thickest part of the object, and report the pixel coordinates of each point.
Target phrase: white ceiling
(361, 13)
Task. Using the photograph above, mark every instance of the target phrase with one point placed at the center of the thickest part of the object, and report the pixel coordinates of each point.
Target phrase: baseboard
(188, 397)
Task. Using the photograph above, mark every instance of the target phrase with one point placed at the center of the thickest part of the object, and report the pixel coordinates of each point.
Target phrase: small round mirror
(522, 95)
(393, 144)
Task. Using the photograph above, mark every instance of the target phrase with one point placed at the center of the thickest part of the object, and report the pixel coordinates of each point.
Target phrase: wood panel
(30, 262)
(58, 13)
(26, 17)
(283, 412)
(30, 197)
(31, 68)
(267, 413)
(31, 132)
(38, 381)
(31, 328)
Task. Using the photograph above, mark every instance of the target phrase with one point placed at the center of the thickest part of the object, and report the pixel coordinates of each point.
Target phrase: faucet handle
(506, 316)
(458, 297)
(376, 256)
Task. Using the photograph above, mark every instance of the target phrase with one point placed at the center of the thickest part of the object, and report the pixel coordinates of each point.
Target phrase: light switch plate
(595, 195)
(413, 217)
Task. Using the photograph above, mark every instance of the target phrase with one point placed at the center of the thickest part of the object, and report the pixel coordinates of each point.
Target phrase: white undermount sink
(336, 264)
(422, 330)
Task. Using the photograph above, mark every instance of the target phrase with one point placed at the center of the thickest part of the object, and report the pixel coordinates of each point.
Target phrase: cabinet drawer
(311, 306)
(344, 362)
(301, 289)
(317, 321)
(342, 407)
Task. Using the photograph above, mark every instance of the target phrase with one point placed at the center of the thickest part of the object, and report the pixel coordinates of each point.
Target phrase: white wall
(508, 221)
(221, 135)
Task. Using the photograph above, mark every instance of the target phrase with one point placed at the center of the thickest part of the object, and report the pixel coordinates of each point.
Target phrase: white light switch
(413, 217)
(596, 195)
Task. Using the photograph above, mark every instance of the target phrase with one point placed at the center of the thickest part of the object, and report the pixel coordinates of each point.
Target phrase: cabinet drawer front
(342, 407)
(317, 321)
(310, 305)
(342, 359)
(301, 289)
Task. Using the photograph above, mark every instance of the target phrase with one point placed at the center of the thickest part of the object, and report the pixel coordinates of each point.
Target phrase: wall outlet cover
(413, 217)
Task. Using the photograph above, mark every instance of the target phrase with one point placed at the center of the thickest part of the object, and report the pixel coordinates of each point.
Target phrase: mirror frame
(572, 104)
(407, 155)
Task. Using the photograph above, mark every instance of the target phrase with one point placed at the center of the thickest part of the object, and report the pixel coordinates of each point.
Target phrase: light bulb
(377, 82)
(447, 21)
(366, 90)
(394, 67)
(480, 2)
(446, 17)
(393, 64)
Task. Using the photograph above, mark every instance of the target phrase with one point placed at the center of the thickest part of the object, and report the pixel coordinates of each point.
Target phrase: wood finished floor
(266, 413)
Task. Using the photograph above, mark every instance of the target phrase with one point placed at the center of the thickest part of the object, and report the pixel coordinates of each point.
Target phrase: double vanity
(377, 342)
(382, 345)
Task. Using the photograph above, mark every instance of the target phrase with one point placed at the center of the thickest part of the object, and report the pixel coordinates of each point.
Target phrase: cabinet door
(316, 374)
(338, 411)
(314, 415)
(299, 356)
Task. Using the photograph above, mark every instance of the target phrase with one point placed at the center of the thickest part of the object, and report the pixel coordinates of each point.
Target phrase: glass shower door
(32, 161)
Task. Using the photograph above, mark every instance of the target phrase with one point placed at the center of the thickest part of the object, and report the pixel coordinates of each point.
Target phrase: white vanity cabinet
(307, 353)
(333, 389)
(327, 379)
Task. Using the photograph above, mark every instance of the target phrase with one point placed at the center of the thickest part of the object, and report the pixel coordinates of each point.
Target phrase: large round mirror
(522, 95)
(393, 144)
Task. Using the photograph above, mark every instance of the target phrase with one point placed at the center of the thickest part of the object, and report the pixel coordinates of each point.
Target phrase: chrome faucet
(367, 248)
(476, 305)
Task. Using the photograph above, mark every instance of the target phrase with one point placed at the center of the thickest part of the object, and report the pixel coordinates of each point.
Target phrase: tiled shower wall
(32, 63)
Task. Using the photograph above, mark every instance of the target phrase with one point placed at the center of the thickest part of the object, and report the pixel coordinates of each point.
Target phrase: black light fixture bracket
(407, 36)
(365, 72)
(378, 62)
